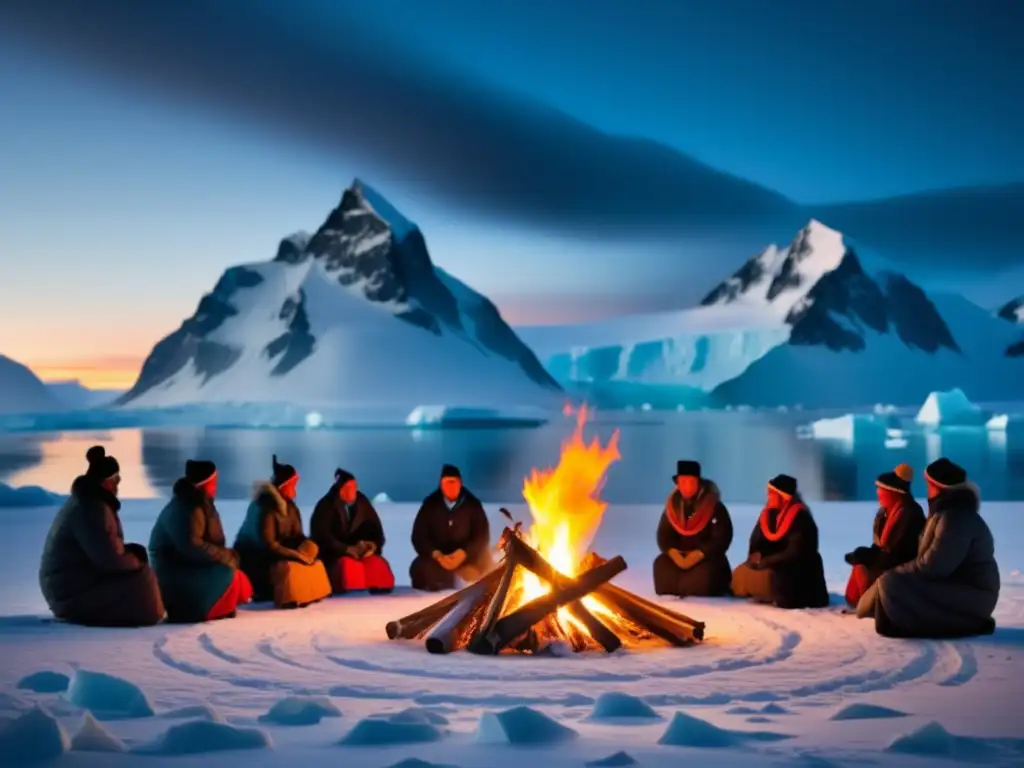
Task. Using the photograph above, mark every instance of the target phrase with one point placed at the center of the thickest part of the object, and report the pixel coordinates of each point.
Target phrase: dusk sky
(143, 149)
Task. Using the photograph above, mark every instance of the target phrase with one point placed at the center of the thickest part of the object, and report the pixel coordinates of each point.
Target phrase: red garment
(238, 593)
(859, 583)
(351, 575)
(706, 507)
(783, 521)
(892, 515)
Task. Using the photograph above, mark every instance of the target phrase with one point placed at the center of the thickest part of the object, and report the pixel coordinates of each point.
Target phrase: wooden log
(498, 600)
(697, 627)
(422, 620)
(445, 636)
(509, 627)
(673, 630)
(531, 559)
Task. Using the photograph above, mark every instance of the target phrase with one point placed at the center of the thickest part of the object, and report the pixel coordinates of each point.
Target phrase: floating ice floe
(440, 416)
(852, 427)
(950, 409)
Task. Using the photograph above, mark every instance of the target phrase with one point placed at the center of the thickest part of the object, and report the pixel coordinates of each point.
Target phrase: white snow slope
(815, 323)
(21, 391)
(768, 687)
(354, 316)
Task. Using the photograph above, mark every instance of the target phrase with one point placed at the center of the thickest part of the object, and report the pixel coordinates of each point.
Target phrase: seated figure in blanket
(950, 589)
(694, 534)
(277, 556)
(451, 536)
(350, 535)
(784, 566)
(198, 574)
(895, 533)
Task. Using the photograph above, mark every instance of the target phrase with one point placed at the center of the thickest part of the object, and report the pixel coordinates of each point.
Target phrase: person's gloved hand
(692, 558)
(678, 558)
(850, 558)
(457, 558)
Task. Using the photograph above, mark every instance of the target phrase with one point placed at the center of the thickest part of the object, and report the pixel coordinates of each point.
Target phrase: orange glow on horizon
(99, 374)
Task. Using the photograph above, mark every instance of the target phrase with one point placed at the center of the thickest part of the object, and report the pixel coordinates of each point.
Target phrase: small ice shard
(382, 731)
(300, 710)
(612, 761)
(618, 705)
(108, 697)
(93, 737)
(34, 737)
(200, 736)
(522, 725)
(928, 739)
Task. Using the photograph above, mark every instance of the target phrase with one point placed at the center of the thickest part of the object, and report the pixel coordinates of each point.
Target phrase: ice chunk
(439, 416)
(522, 725)
(949, 409)
(618, 705)
(382, 498)
(108, 697)
(417, 715)
(45, 682)
(415, 762)
(688, 731)
(200, 736)
(28, 496)
(853, 427)
(861, 711)
(93, 737)
(998, 423)
(928, 739)
(195, 712)
(34, 737)
(300, 710)
(612, 761)
(382, 731)
(314, 420)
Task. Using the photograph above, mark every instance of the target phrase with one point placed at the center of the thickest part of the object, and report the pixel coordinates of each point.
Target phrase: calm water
(739, 450)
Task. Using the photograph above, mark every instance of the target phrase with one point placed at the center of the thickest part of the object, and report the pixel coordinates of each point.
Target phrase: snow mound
(35, 737)
(417, 715)
(383, 731)
(45, 682)
(931, 739)
(439, 416)
(688, 731)
(522, 725)
(860, 711)
(300, 710)
(619, 758)
(949, 409)
(195, 712)
(382, 498)
(200, 736)
(617, 705)
(759, 719)
(853, 427)
(928, 739)
(93, 737)
(28, 496)
(108, 697)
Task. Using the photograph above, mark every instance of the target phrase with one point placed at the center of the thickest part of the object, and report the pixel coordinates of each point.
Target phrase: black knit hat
(897, 480)
(687, 469)
(199, 471)
(282, 472)
(945, 474)
(450, 470)
(784, 484)
(341, 476)
(101, 466)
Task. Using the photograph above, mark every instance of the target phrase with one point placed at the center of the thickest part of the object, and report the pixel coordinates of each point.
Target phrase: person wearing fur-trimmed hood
(280, 561)
(694, 535)
(784, 565)
(895, 533)
(950, 589)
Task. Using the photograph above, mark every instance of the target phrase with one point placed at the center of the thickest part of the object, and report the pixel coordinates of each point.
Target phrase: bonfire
(549, 592)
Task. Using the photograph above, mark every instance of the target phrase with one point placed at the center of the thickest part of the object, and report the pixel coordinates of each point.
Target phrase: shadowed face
(289, 487)
(349, 490)
(451, 487)
(933, 489)
(776, 500)
(210, 487)
(886, 497)
(688, 485)
(112, 484)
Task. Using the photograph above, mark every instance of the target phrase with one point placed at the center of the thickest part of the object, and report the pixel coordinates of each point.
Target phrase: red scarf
(891, 516)
(699, 520)
(783, 521)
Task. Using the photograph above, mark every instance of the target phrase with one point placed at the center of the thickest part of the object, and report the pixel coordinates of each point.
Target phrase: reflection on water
(740, 451)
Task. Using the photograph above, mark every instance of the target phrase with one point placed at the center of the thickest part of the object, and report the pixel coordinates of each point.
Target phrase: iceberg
(440, 416)
(950, 409)
(852, 427)
(998, 423)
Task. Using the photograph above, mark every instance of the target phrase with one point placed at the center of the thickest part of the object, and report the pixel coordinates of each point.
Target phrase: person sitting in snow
(694, 534)
(280, 561)
(350, 535)
(88, 574)
(784, 566)
(198, 574)
(896, 532)
(451, 536)
(950, 589)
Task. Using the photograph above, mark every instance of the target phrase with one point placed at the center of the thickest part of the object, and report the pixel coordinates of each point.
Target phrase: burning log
(454, 630)
(670, 627)
(496, 606)
(515, 624)
(531, 559)
(418, 623)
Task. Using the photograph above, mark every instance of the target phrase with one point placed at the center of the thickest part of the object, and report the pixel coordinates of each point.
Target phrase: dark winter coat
(700, 524)
(88, 575)
(896, 544)
(951, 588)
(798, 574)
(465, 527)
(336, 526)
(270, 533)
(187, 548)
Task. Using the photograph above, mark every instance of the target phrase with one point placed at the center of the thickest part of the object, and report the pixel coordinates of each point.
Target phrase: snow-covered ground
(767, 686)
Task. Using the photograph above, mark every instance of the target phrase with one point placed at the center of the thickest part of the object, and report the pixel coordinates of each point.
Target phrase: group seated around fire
(451, 536)
(694, 535)
(951, 586)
